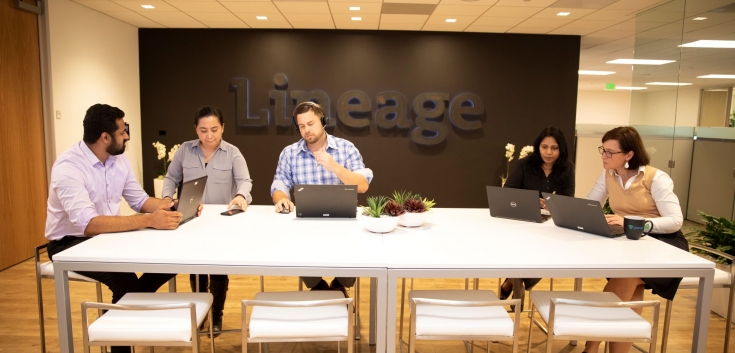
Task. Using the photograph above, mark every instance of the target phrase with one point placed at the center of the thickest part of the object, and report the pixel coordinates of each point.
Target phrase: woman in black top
(547, 169)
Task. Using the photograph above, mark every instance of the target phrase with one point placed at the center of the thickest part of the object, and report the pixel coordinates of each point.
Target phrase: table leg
(577, 288)
(701, 320)
(63, 310)
(373, 310)
(390, 345)
(382, 313)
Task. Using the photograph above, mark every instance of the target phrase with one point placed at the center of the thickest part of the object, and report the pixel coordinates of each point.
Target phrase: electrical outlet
(58, 114)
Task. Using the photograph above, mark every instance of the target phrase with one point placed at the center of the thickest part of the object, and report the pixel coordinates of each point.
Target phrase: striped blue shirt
(297, 165)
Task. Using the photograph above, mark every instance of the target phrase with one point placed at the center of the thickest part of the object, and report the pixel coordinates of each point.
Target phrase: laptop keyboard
(616, 230)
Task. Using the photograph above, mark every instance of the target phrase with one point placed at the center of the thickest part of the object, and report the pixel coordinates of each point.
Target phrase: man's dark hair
(206, 111)
(100, 118)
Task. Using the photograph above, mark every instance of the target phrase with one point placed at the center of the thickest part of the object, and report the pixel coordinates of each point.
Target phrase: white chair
(358, 322)
(461, 315)
(46, 271)
(723, 279)
(596, 316)
(298, 317)
(149, 319)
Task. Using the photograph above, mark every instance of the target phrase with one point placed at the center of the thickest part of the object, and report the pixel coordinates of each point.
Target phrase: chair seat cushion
(267, 322)
(150, 325)
(721, 278)
(47, 271)
(439, 320)
(572, 320)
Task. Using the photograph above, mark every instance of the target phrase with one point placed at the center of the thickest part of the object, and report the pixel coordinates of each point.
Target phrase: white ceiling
(610, 29)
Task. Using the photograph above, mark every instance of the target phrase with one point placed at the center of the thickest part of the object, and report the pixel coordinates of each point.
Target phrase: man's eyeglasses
(127, 129)
(607, 153)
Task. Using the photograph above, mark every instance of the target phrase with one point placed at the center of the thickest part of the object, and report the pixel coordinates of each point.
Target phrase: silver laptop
(518, 204)
(191, 196)
(580, 214)
(326, 201)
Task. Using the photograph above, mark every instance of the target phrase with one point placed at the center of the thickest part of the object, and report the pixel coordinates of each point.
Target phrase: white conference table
(468, 243)
(257, 242)
(453, 243)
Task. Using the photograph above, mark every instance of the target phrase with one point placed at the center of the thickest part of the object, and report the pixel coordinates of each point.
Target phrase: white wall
(603, 107)
(662, 107)
(93, 59)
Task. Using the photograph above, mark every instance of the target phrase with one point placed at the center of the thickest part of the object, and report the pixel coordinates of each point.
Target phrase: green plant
(375, 206)
(719, 234)
(401, 196)
(428, 203)
(606, 208)
(732, 119)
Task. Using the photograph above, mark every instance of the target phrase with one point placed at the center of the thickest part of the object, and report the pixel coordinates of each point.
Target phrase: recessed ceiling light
(699, 18)
(357, 18)
(668, 84)
(625, 88)
(262, 18)
(451, 20)
(354, 8)
(148, 6)
(596, 73)
(640, 62)
(717, 76)
(563, 13)
(728, 44)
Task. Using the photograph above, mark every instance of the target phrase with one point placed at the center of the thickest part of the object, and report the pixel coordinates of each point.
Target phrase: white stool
(596, 316)
(461, 315)
(149, 319)
(298, 316)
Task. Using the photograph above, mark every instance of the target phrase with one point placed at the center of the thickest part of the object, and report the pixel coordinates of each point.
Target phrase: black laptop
(191, 196)
(580, 214)
(326, 201)
(518, 204)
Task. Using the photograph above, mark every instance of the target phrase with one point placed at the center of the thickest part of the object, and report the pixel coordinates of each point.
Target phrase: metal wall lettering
(243, 118)
(457, 110)
(429, 132)
(392, 111)
(357, 102)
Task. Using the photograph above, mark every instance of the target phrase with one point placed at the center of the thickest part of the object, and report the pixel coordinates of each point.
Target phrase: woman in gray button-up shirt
(228, 182)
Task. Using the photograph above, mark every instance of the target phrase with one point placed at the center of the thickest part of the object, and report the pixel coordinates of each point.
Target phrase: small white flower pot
(384, 224)
(157, 187)
(410, 219)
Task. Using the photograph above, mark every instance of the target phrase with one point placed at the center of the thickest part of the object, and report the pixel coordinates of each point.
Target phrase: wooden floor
(19, 318)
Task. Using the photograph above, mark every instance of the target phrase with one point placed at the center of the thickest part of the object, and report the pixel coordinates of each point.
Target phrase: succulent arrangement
(402, 202)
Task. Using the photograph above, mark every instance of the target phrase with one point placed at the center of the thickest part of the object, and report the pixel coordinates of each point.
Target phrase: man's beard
(115, 150)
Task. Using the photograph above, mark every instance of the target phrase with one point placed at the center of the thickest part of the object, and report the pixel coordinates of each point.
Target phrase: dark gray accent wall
(518, 83)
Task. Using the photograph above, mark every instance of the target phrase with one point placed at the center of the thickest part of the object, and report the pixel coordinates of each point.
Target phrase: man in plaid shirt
(318, 158)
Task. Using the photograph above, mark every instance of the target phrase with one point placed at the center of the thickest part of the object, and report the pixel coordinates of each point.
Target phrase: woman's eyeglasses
(607, 153)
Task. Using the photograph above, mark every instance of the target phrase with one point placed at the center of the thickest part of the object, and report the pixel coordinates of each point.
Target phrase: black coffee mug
(635, 227)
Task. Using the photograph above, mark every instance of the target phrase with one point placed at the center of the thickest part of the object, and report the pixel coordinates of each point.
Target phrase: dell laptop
(191, 196)
(326, 201)
(518, 204)
(580, 214)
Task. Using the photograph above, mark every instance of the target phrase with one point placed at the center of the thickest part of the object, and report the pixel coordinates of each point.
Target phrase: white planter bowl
(384, 224)
(409, 219)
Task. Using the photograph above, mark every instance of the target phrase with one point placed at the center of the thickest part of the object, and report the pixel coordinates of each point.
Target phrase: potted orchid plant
(158, 180)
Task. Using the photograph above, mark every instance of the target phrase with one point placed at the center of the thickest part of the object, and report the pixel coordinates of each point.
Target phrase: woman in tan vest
(635, 188)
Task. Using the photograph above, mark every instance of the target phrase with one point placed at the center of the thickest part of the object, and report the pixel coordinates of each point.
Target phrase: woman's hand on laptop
(613, 219)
